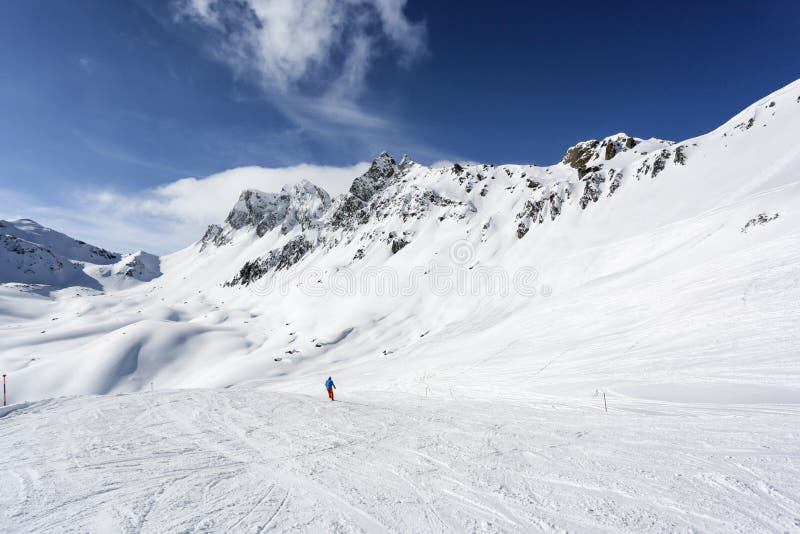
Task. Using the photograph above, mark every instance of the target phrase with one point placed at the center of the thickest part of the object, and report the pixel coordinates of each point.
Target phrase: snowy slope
(244, 460)
(663, 275)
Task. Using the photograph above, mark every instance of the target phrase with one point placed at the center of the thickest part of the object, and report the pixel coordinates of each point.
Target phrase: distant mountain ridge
(34, 254)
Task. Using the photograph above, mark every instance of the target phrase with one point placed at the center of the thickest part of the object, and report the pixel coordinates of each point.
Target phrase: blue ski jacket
(329, 384)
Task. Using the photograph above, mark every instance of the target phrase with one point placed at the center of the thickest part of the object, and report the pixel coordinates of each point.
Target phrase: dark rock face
(351, 210)
(591, 190)
(532, 211)
(379, 175)
(579, 155)
(398, 244)
(680, 155)
(214, 235)
(103, 253)
(264, 227)
(586, 170)
(611, 151)
(654, 165)
(349, 213)
(660, 162)
(758, 220)
(291, 253)
(555, 206)
(616, 181)
(250, 271)
(276, 260)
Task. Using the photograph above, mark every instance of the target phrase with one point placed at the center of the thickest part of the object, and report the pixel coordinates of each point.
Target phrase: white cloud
(286, 42)
(309, 54)
(174, 215)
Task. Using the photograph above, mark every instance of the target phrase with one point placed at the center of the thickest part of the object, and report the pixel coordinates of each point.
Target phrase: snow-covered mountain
(57, 243)
(392, 203)
(476, 317)
(36, 255)
(295, 282)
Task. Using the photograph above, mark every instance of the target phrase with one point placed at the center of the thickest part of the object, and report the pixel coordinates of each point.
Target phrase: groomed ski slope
(246, 460)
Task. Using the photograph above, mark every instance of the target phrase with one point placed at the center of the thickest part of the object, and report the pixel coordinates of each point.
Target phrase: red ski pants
(330, 394)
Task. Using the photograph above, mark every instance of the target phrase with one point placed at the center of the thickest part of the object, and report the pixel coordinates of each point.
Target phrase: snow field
(248, 460)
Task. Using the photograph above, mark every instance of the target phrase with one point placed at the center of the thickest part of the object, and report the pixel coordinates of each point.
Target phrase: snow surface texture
(244, 460)
(621, 271)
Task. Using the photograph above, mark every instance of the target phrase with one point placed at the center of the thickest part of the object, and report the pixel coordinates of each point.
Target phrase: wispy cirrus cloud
(310, 57)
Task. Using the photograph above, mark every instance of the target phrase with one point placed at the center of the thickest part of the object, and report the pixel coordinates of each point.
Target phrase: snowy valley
(608, 343)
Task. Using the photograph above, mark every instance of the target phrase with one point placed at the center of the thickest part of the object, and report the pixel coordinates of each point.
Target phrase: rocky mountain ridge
(384, 208)
(387, 207)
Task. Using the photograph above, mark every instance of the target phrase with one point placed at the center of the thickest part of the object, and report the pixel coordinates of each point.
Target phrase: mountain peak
(381, 173)
(249, 209)
(301, 203)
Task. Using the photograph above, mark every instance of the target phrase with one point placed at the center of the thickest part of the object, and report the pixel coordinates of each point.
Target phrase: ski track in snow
(248, 460)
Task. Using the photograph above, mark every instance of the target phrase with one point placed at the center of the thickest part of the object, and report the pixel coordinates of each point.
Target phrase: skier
(330, 386)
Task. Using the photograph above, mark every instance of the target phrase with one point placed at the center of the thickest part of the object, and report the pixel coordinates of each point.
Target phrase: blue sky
(113, 103)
